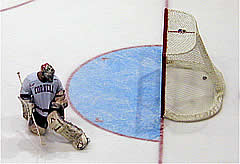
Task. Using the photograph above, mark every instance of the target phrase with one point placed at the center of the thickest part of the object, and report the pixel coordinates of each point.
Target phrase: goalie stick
(30, 115)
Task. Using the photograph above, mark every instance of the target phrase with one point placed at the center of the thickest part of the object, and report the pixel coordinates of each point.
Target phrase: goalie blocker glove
(27, 105)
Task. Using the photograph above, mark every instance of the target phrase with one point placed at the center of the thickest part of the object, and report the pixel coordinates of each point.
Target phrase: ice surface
(69, 33)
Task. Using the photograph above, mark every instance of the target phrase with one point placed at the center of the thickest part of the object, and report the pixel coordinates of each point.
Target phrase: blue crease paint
(120, 91)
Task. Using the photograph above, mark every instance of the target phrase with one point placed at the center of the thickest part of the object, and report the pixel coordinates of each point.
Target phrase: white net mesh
(194, 87)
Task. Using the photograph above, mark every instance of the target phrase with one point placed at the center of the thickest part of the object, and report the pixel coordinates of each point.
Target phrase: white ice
(68, 33)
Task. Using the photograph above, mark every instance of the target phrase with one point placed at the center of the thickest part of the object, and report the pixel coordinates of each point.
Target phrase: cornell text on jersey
(43, 88)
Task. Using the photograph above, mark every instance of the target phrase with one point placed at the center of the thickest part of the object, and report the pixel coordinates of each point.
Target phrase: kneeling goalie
(43, 102)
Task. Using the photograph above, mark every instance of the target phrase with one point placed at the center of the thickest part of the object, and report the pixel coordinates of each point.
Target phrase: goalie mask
(47, 72)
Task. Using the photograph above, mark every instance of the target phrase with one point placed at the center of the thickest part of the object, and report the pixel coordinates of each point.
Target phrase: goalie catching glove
(60, 101)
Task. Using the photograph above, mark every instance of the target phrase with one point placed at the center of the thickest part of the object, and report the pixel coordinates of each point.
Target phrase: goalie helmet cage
(193, 87)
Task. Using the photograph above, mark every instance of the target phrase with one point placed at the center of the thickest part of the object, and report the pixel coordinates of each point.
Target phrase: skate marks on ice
(20, 145)
(119, 92)
(184, 128)
(18, 142)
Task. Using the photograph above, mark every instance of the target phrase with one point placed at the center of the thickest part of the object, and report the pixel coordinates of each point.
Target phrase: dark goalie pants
(42, 121)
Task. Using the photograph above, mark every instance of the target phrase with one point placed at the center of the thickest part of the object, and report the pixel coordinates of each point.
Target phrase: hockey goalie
(43, 102)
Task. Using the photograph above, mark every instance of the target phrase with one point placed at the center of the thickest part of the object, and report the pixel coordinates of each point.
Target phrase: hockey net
(194, 87)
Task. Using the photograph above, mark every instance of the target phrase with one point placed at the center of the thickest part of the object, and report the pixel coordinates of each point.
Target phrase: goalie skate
(71, 132)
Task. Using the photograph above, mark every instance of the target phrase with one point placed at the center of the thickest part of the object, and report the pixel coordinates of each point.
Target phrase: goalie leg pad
(25, 113)
(33, 128)
(71, 132)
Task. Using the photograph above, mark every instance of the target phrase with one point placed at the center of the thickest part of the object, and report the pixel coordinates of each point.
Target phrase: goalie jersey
(42, 93)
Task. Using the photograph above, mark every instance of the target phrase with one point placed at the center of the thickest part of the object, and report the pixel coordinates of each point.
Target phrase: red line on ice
(21, 4)
(161, 142)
